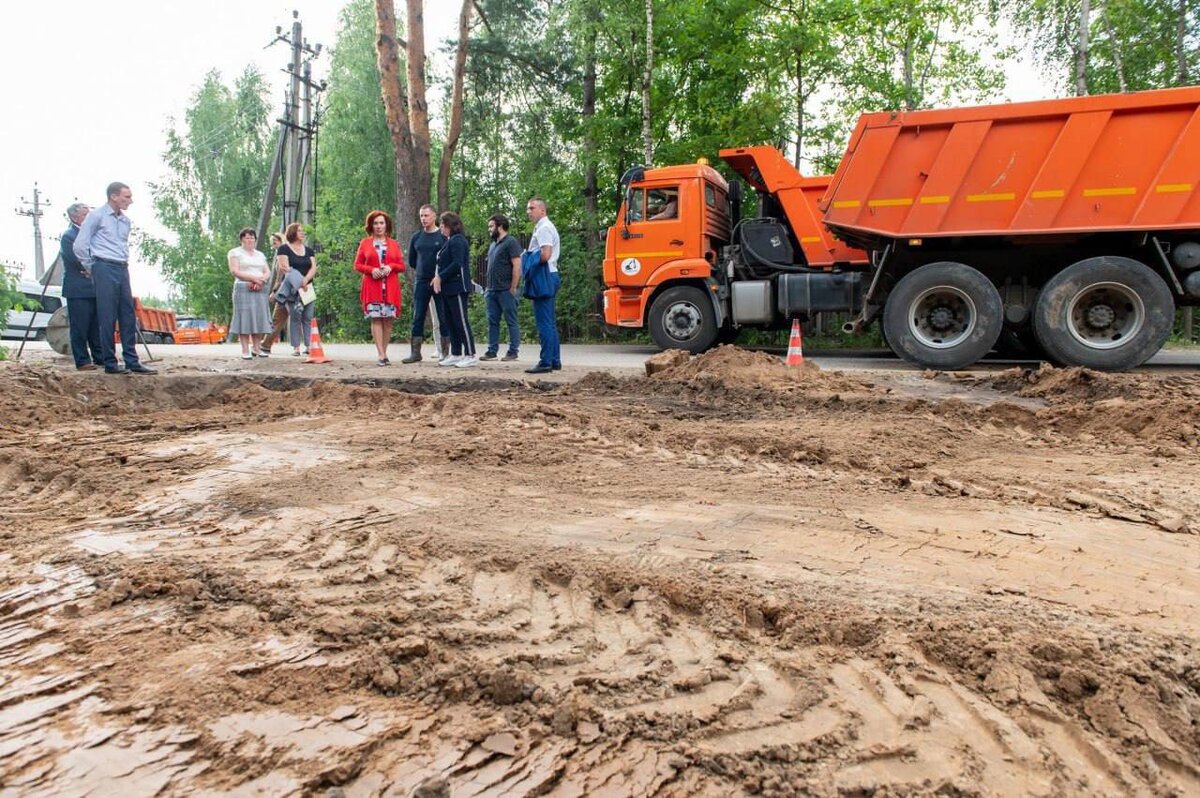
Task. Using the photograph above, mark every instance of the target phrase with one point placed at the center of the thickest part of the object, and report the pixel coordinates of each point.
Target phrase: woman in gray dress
(251, 316)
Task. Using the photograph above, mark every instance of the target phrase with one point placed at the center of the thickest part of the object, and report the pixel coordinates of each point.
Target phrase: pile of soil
(732, 366)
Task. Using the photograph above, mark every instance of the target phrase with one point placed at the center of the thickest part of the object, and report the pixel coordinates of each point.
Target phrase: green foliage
(218, 165)
(836, 59)
(1146, 43)
(10, 299)
(355, 173)
(1133, 44)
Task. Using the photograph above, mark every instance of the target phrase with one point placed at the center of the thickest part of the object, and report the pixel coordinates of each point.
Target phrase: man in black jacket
(422, 255)
(80, 294)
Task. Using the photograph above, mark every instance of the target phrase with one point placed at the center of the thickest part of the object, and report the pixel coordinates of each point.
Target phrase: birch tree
(1081, 49)
(647, 76)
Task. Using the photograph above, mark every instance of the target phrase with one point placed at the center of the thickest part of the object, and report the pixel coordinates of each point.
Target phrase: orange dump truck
(157, 324)
(1071, 225)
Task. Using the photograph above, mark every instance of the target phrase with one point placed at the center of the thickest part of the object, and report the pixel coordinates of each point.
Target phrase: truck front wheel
(943, 316)
(683, 318)
(1108, 313)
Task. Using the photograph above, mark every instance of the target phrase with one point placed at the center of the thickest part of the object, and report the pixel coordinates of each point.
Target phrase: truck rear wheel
(943, 316)
(683, 318)
(1108, 313)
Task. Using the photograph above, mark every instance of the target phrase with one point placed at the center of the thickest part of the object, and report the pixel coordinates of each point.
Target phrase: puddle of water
(99, 542)
(246, 458)
(314, 737)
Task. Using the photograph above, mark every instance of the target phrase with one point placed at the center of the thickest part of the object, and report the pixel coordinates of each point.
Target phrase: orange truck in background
(193, 330)
(157, 324)
(1070, 225)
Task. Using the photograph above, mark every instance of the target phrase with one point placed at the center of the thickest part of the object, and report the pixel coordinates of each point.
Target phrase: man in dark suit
(80, 293)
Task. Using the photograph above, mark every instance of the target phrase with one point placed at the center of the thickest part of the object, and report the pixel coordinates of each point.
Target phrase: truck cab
(669, 232)
(682, 262)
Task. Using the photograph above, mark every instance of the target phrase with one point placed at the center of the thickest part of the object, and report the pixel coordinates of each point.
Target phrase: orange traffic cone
(316, 353)
(795, 355)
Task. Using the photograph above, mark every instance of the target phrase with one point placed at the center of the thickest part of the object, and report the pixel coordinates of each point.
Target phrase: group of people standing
(253, 323)
(440, 254)
(95, 253)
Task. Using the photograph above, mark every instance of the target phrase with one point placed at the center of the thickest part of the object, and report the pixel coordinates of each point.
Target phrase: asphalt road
(607, 357)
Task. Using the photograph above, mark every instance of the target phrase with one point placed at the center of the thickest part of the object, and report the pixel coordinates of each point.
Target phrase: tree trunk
(908, 75)
(456, 105)
(1181, 73)
(647, 137)
(395, 104)
(1118, 62)
(1081, 50)
(799, 108)
(417, 190)
(591, 194)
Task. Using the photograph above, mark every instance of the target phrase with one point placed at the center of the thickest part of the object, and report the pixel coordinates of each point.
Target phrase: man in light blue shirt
(103, 247)
(545, 241)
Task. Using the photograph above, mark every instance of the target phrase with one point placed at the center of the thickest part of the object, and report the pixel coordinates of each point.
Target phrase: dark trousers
(422, 293)
(114, 305)
(85, 330)
(502, 303)
(547, 327)
(462, 341)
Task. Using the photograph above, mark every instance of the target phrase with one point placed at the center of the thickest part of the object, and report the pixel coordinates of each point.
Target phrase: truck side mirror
(628, 212)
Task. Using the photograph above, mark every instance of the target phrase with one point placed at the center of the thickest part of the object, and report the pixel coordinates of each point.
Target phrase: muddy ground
(726, 578)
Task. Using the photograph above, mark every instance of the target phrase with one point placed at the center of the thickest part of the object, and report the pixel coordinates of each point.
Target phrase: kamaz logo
(776, 242)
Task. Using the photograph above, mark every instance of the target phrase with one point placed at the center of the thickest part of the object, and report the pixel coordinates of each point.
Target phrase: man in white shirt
(102, 246)
(545, 240)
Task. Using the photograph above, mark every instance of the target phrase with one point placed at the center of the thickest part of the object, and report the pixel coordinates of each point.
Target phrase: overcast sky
(90, 87)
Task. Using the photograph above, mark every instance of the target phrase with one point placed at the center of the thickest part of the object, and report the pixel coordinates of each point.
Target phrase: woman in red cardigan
(380, 262)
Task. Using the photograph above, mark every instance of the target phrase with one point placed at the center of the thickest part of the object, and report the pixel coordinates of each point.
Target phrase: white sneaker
(450, 360)
(467, 362)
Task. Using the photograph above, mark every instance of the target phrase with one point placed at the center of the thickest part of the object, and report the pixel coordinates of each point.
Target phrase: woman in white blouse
(251, 316)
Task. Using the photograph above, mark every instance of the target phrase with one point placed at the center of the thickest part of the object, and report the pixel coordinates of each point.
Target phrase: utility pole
(291, 174)
(293, 148)
(306, 149)
(34, 211)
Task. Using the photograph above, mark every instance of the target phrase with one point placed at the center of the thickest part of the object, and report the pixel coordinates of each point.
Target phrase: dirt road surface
(725, 578)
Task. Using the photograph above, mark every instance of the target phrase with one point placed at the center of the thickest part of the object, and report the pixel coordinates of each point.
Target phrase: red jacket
(367, 260)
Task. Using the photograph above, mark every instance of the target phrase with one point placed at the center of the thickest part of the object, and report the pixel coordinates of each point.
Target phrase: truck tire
(943, 316)
(683, 318)
(1108, 313)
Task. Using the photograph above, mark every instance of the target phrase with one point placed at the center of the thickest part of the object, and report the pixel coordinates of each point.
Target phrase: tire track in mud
(383, 634)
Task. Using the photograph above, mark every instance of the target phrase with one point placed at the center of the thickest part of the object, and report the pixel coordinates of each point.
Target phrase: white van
(19, 319)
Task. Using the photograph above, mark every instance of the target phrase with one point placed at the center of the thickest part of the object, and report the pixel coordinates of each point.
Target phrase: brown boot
(415, 357)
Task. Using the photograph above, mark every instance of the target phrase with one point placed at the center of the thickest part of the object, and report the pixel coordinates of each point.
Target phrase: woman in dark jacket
(453, 282)
(380, 262)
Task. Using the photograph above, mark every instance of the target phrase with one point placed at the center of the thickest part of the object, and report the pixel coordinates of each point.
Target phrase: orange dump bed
(157, 320)
(1086, 164)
